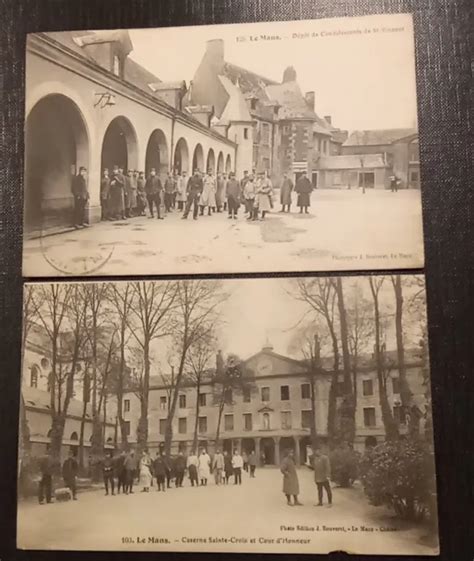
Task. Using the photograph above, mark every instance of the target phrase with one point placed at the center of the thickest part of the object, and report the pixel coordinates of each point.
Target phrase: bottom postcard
(286, 415)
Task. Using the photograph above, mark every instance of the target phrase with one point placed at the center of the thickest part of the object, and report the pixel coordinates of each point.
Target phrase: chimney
(215, 52)
(328, 119)
(289, 75)
(309, 98)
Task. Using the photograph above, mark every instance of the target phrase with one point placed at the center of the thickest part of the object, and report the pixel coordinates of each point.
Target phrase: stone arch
(119, 145)
(74, 436)
(228, 164)
(220, 163)
(181, 156)
(198, 158)
(56, 146)
(211, 161)
(157, 153)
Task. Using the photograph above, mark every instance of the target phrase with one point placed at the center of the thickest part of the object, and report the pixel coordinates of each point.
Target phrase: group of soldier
(127, 194)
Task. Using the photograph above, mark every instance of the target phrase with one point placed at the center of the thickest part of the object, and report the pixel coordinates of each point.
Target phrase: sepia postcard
(263, 147)
(283, 415)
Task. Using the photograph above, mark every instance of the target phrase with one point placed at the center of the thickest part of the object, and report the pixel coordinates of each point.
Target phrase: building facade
(274, 413)
(89, 104)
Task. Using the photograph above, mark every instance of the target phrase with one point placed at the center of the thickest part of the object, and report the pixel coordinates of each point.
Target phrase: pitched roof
(351, 161)
(133, 72)
(291, 99)
(236, 108)
(379, 137)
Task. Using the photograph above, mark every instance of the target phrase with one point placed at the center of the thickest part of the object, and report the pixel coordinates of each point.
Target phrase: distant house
(352, 171)
(397, 147)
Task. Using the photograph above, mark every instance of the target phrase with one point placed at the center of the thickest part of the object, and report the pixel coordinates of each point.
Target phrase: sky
(363, 80)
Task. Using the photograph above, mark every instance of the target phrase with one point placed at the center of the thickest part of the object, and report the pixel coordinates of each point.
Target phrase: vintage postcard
(258, 415)
(264, 147)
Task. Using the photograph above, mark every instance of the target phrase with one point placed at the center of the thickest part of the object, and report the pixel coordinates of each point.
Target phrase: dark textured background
(444, 50)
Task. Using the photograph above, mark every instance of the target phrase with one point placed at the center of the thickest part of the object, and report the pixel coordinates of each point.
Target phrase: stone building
(36, 394)
(397, 147)
(89, 104)
(274, 412)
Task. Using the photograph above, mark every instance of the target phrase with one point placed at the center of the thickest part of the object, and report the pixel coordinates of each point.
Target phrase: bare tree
(390, 425)
(149, 319)
(198, 363)
(197, 302)
(320, 295)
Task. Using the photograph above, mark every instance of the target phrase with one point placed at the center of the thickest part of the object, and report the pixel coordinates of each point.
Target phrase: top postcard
(262, 147)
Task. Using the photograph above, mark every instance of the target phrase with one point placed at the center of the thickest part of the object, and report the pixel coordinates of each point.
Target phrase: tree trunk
(219, 418)
(81, 436)
(347, 409)
(406, 395)
(313, 428)
(174, 400)
(120, 389)
(332, 402)
(196, 421)
(142, 429)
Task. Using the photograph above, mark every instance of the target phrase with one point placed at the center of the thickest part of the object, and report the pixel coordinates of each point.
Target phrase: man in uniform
(170, 186)
(322, 475)
(70, 469)
(81, 196)
(153, 189)
(104, 195)
(46, 464)
(194, 190)
(108, 471)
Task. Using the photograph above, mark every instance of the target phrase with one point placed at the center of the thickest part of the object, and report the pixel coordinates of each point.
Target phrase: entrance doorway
(56, 146)
(248, 445)
(267, 449)
(367, 179)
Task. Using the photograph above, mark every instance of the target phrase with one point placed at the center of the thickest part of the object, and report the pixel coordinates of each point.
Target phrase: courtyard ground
(345, 230)
(253, 517)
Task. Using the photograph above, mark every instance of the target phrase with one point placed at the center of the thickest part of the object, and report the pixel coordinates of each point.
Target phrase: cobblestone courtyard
(345, 230)
(199, 519)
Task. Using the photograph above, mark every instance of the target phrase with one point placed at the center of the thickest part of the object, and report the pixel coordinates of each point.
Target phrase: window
(285, 393)
(396, 385)
(163, 402)
(266, 421)
(265, 128)
(399, 414)
(162, 427)
(305, 391)
(414, 176)
(306, 419)
(246, 133)
(202, 424)
(286, 129)
(182, 401)
(246, 395)
(126, 405)
(127, 428)
(228, 396)
(74, 436)
(182, 425)
(228, 422)
(367, 387)
(248, 425)
(202, 400)
(286, 419)
(369, 416)
(253, 103)
(266, 394)
(367, 179)
(34, 377)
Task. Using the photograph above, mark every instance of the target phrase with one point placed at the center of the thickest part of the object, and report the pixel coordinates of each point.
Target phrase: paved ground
(200, 519)
(345, 230)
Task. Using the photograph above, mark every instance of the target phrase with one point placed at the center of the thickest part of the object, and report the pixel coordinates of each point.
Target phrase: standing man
(220, 193)
(249, 191)
(228, 469)
(130, 465)
(264, 194)
(132, 192)
(233, 193)
(46, 465)
(193, 190)
(105, 195)
(218, 466)
(291, 487)
(322, 475)
(81, 196)
(121, 472)
(141, 194)
(153, 189)
(303, 187)
(170, 186)
(181, 184)
(285, 193)
(179, 468)
(204, 466)
(159, 469)
(192, 465)
(108, 472)
(117, 185)
(252, 463)
(208, 197)
(70, 469)
(237, 465)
